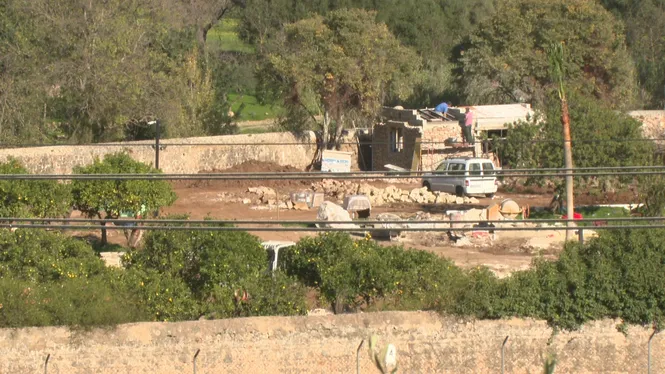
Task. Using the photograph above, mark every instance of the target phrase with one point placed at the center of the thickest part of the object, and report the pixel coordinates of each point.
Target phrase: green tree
(340, 65)
(645, 36)
(32, 198)
(597, 132)
(505, 58)
(109, 198)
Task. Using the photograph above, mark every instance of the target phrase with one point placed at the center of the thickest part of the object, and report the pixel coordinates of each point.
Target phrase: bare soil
(508, 253)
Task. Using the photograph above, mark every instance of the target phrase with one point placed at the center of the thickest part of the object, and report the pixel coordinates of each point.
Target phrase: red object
(576, 216)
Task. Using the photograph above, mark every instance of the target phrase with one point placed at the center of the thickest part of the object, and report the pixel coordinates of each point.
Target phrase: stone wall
(433, 149)
(187, 155)
(425, 342)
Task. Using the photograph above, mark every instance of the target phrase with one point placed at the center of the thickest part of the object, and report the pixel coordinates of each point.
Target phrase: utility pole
(556, 55)
(157, 133)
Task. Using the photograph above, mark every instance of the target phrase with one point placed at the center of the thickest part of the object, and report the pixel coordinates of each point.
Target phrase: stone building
(418, 139)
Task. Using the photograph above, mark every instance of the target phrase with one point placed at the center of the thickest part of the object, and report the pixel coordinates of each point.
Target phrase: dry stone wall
(190, 155)
(425, 342)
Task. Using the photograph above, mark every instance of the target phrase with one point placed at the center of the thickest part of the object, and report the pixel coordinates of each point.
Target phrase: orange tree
(109, 198)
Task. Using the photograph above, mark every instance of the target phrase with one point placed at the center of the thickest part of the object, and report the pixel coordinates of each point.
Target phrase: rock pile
(381, 196)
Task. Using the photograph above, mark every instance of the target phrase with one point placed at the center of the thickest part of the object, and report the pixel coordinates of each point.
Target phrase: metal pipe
(649, 351)
(48, 357)
(358, 356)
(194, 360)
(503, 346)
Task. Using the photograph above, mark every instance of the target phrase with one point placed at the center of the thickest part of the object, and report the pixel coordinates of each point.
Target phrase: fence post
(649, 351)
(194, 360)
(48, 356)
(580, 232)
(503, 346)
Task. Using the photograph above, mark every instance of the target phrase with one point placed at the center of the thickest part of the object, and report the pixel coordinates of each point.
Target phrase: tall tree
(645, 36)
(339, 65)
(504, 60)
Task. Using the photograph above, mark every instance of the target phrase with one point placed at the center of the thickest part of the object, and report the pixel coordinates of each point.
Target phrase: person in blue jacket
(442, 108)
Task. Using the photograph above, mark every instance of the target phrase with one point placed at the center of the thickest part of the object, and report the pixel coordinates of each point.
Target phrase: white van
(463, 176)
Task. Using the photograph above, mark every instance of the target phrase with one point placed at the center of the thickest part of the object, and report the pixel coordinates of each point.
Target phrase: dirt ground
(508, 252)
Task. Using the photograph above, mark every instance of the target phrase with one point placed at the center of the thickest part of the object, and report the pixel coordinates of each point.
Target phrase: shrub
(354, 273)
(214, 269)
(32, 198)
(42, 256)
(81, 302)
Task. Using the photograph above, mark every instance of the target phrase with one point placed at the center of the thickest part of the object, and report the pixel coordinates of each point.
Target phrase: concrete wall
(425, 342)
(192, 157)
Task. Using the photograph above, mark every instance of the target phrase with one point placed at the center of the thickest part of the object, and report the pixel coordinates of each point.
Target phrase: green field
(224, 36)
(247, 108)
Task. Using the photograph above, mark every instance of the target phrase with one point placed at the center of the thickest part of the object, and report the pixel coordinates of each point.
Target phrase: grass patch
(588, 212)
(297, 225)
(224, 36)
(254, 130)
(247, 108)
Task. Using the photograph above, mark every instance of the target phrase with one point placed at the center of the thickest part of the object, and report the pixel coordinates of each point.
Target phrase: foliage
(645, 36)
(78, 302)
(214, 269)
(597, 134)
(32, 198)
(352, 274)
(339, 65)
(41, 256)
(505, 58)
(111, 197)
(51, 279)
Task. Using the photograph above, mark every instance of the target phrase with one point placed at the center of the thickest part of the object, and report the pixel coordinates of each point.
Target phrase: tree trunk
(568, 161)
(339, 127)
(326, 129)
(104, 239)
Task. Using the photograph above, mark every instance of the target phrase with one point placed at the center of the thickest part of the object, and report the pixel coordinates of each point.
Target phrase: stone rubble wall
(185, 155)
(425, 341)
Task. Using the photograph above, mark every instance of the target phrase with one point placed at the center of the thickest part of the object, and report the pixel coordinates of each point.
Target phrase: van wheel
(489, 195)
(426, 185)
(459, 191)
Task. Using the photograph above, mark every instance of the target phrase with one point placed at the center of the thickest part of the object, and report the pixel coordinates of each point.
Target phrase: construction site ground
(507, 252)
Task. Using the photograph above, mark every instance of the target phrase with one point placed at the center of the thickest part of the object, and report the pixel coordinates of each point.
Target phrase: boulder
(329, 211)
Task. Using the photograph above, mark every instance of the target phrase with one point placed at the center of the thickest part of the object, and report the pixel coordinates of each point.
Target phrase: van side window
(474, 169)
(441, 169)
(456, 169)
(488, 168)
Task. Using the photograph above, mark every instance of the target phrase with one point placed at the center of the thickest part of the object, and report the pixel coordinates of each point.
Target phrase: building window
(396, 139)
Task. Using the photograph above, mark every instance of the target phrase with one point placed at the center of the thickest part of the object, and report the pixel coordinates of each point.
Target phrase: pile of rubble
(381, 196)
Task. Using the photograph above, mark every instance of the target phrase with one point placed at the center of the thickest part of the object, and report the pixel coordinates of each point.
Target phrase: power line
(324, 229)
(125, 221)
(166, 143)
(300, 176)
